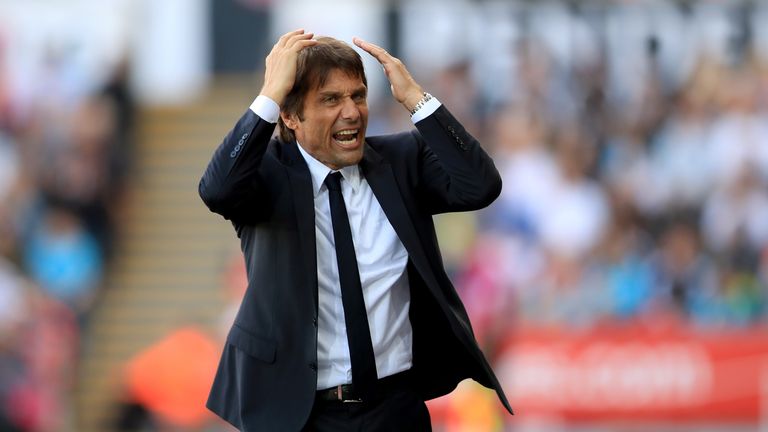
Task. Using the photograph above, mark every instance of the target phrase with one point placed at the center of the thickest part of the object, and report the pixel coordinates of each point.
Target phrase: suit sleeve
(456, 174)
(231, 184)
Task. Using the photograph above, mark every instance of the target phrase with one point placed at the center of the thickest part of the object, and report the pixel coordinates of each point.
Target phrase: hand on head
(404, 88)
(281, 63)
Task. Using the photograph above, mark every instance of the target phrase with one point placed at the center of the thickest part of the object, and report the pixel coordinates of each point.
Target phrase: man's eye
(359, 97)
(330, 99)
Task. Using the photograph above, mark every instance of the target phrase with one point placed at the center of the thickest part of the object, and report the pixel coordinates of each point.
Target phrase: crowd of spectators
(64, 151)
(626, 199)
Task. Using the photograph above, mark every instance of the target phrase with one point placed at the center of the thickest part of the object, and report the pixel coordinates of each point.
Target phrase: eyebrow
(360, 90)
(327, 93)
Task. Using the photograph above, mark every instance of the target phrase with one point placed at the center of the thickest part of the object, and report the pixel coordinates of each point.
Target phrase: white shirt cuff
(425, 111)
(266, 108)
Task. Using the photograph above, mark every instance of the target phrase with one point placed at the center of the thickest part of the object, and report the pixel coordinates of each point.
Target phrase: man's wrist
(412, 97)
(266, 108)
(275, 95)
(425, 97)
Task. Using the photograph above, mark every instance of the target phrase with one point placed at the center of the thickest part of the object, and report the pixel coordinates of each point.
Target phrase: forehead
(339, 79)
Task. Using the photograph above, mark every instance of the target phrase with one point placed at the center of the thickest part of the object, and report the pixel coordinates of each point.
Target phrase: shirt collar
(320, 171)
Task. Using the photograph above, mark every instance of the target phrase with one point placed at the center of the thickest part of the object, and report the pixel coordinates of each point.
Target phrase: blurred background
(619, 283)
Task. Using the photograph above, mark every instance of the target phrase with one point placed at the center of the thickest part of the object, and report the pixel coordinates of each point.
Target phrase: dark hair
(315, 64)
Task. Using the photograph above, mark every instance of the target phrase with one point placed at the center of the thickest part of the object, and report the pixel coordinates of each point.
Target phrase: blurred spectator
(529, 174)
(14, 308)
(621, 265)
(9, 165)
(685, 274)
(577, 212)
(739, 135)
(63, 257)
(75, 172)
(735, 216)
(170, 380)
(37, 358)
(678, 183)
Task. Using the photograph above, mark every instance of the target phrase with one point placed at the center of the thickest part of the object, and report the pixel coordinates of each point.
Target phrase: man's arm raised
(456, 173)
(231, 184)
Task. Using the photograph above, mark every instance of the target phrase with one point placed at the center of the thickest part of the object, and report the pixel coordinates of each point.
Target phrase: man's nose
(350, 110)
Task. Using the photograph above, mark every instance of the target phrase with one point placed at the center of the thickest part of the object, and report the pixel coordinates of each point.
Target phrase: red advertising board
(675, 374)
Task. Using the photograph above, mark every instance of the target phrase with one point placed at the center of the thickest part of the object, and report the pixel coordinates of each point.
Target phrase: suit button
(313, 366)
(245, 135)
(241, 142)
(461, 144)
(314, 321)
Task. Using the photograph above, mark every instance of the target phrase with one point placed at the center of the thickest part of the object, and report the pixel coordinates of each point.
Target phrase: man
(349, 321)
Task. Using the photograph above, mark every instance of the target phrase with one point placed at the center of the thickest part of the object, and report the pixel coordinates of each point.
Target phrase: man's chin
(355, 160)
(350, 158)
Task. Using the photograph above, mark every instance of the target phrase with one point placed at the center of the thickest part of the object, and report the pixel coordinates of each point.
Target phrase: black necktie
(358, 334)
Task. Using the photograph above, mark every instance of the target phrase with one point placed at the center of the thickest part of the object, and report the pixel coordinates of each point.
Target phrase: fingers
(284, 38)
(404, 88)
(281, 64)
(294, 38)
(376, 51)
(302, 42)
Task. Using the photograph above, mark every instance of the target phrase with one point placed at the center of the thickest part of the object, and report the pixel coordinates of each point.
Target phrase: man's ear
(290, 120)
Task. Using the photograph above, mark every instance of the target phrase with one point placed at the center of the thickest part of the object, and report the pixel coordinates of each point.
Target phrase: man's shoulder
(394, 142)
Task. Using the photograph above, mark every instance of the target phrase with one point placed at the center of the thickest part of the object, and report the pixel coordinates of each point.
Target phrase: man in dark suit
(349, 321)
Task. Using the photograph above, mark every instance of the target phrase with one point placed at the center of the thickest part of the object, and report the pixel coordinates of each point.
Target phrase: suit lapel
(304, 202)
(378, 172)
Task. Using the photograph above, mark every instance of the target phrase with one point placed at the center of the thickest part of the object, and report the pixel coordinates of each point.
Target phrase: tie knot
(333, 181)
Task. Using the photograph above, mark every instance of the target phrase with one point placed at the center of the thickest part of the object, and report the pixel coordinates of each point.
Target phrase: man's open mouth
(347, 136)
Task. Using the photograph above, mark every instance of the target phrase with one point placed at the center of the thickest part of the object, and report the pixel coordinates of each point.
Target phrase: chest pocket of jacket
(256, 346)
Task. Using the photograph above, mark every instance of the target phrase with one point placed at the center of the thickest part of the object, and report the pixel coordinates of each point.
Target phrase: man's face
(332, 128)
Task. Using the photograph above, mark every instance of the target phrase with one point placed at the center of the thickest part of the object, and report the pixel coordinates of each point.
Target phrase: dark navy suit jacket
(267, 376)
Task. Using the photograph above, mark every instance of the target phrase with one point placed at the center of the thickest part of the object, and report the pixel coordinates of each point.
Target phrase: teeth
(345, 135)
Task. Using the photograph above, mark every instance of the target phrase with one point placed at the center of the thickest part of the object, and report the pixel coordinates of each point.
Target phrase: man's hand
(281, 63)
(404, 87)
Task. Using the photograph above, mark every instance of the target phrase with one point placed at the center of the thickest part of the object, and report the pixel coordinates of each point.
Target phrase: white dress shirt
(381, 260)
